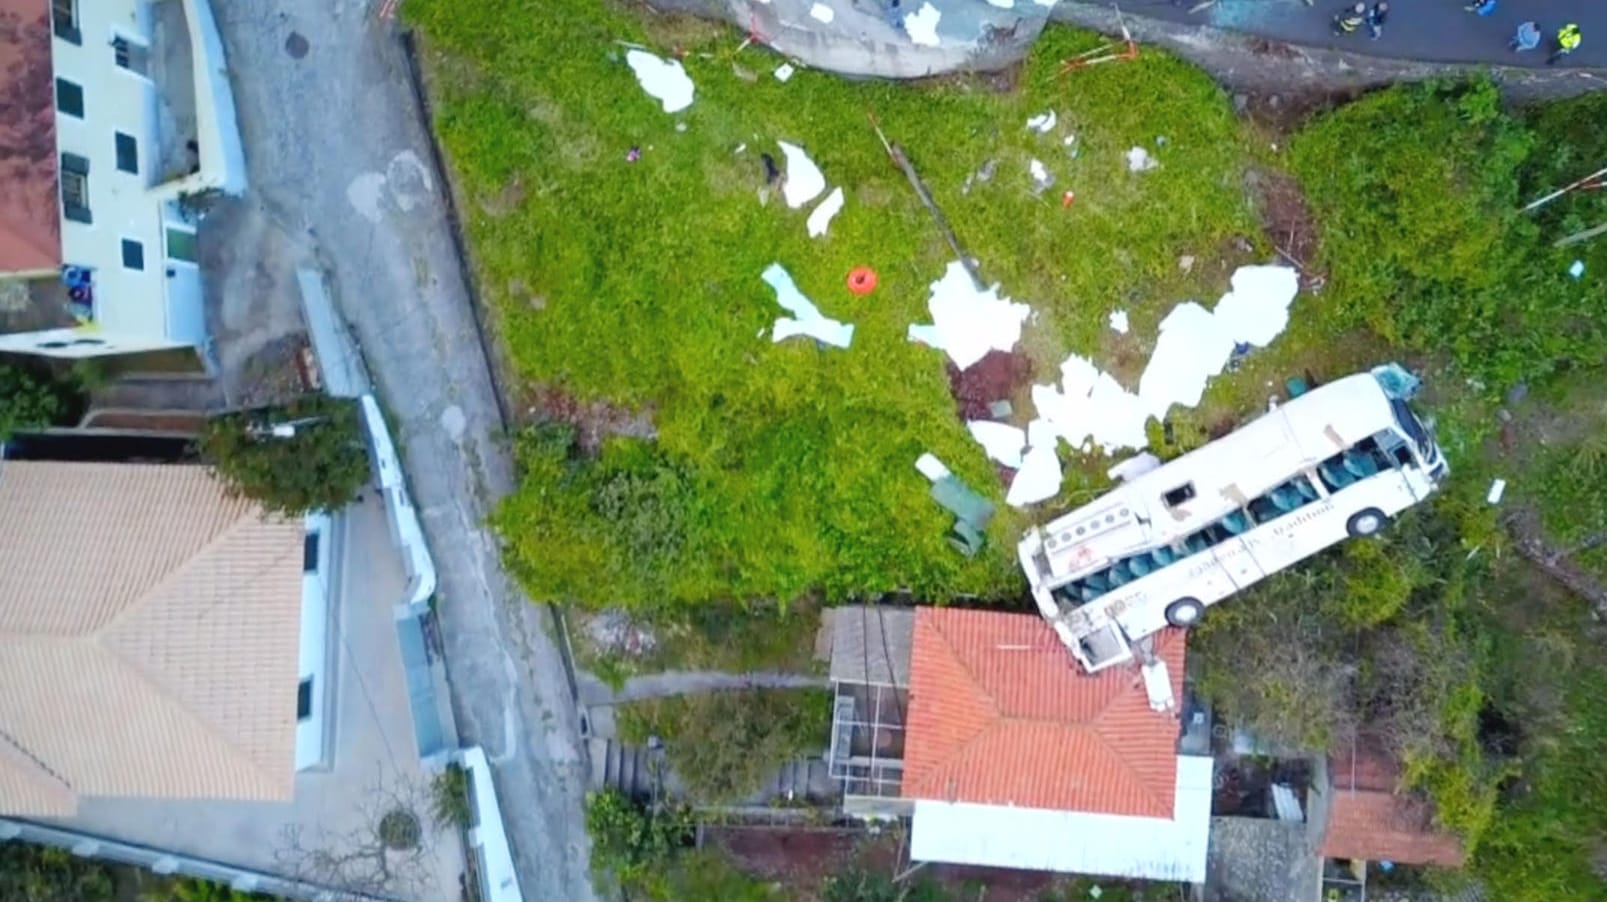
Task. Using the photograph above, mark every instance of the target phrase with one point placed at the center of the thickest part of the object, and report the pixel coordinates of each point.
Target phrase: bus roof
(1189, 493)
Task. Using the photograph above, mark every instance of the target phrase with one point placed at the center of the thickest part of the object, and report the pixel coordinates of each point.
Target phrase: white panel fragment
(822, 12)
(922, 25)
(823, 213)
(1038, 479)
(806, 319)
(967, 323)
(662, 79)
(803, 181)
(1003, 442)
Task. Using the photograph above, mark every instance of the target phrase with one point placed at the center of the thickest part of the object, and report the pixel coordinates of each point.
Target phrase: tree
(25, 401)
(304, 456)
(30, 873)
(390, 852)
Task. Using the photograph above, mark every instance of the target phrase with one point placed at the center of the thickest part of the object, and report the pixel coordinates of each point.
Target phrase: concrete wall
(498, 882)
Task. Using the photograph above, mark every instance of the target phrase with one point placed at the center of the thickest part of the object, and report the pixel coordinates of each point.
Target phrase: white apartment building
(144, 125)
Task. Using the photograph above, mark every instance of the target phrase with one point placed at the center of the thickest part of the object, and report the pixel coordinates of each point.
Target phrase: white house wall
(313, 656)
(146, 308)
(1074, 842)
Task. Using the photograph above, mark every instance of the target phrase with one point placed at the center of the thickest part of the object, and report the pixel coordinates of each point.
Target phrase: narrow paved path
(339, 159)
(1434, 31)
(689, 682)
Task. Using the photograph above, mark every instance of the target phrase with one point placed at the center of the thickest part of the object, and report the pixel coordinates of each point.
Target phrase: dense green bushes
(304, 456)
(723, 745)
(1418, 190)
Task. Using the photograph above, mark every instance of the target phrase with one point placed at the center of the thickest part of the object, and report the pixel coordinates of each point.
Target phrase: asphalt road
(1436, 31)
(339, 160)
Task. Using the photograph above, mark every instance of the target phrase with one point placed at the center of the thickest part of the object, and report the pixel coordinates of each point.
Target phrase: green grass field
(779, 469)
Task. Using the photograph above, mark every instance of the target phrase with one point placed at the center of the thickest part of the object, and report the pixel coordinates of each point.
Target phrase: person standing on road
(1376, 17)
(1481, 7)
(1568, 39)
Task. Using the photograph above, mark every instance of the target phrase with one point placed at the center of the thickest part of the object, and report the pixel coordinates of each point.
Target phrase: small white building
(134, 97)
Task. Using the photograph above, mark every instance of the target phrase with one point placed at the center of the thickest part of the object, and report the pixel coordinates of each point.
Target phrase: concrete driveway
(373, 765)
(337, 157)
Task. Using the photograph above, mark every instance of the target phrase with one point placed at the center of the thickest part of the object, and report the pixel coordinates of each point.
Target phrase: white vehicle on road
(1335, 462)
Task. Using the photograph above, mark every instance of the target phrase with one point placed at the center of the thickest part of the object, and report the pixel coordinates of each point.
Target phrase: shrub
(632, 841)
(26, 401)
(449, 798)
(320, 465)
(723, 745)
(31, 873)
(1418, 187)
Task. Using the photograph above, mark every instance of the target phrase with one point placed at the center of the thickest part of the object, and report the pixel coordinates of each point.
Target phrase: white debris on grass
(1003, 442)
(664, 80)
(967, 322)
(1577, 268)
(1090, 407)
(1139, 160)
(1038, 479)
(824, 212)
(803, 181)
(922, 25)
(1195, 345)
(822, 12)
(806, 318)
(1042, 123)
(1497, 489)
(931, 467)
(1039, 173)
(784, 71)
(1118, 321)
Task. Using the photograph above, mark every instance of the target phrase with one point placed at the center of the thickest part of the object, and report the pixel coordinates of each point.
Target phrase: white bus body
(1335, 462)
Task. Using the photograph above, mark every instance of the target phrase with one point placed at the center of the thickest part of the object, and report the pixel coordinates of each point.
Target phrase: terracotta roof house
(150, 630)
(1368, 820)
(1007, 755)
(118, 111)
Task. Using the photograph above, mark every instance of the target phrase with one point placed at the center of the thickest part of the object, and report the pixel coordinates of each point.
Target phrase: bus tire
(1366, 522)
(1185, 613)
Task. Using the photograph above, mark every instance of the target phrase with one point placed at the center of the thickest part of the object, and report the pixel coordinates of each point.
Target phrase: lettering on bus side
(1307, 514)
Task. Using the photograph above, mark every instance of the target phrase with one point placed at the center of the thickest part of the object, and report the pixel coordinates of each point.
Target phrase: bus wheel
(1366, 522)
(1185, 612)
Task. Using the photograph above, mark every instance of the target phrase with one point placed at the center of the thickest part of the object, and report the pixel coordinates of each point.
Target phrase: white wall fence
(88, 845)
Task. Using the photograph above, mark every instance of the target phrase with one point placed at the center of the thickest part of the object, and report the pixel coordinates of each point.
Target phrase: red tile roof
(999, 714)
(1368, 820)
(30, 218)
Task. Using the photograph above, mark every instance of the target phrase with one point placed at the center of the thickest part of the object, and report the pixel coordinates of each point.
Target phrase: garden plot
(778, 467)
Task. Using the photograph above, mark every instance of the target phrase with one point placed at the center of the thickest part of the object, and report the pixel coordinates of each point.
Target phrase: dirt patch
(999, 376)
(594, 421)
(274, 373)
(1280, 114)
(1287, 221)
(798, 858)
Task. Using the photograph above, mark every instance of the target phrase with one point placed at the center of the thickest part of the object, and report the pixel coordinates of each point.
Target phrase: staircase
(634, 771)
(200, 394)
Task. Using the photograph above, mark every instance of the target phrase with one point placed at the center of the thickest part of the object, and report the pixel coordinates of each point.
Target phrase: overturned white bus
(1161, 547)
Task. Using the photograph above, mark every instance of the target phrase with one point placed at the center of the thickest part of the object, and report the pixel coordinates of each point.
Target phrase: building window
(180, 245)
(131, 56)
(64, 15)
(304, 699)
(127, 153)
(133, 254)
(69, 98)
(309, 553)
(75, 188)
